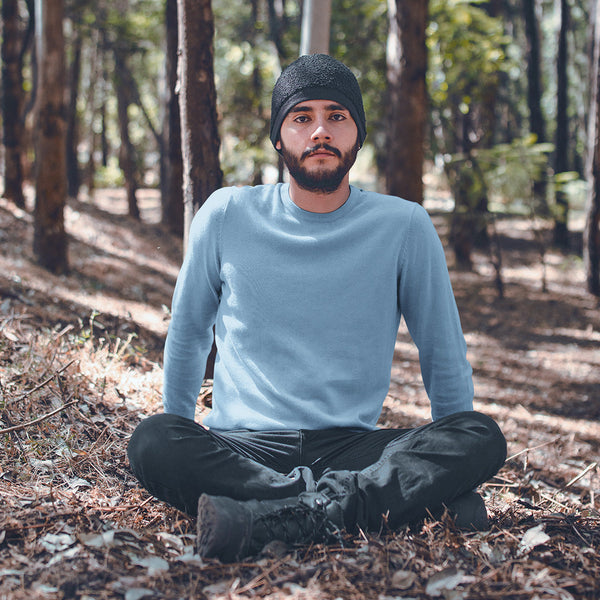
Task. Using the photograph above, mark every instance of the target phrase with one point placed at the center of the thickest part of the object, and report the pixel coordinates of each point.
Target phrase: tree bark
(50, 240)
(198, 106)
(126, 150)
(90, 168)
(73, 178)
(316, 19)
(278, 24)
(591, 233)
(406, 71)
(12, 103)
(172, 181)
(200, 141)
(537, 122)
(561, 163)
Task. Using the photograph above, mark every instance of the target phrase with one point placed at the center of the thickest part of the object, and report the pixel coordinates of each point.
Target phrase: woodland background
(486, 112)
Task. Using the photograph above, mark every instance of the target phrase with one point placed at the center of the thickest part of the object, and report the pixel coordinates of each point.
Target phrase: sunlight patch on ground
(576, 364)
(115, 201)
(116, 241)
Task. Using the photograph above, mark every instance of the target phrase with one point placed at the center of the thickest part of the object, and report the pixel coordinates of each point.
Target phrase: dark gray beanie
(316, 77)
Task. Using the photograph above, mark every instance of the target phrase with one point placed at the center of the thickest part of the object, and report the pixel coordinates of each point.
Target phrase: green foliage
(109, 176)
(246, 66)
(467, 54)
(510, 170)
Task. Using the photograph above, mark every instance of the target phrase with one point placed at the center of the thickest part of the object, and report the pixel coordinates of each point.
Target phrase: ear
(278, 145)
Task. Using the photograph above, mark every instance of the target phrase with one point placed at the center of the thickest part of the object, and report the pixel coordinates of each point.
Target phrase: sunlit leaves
(467, 49)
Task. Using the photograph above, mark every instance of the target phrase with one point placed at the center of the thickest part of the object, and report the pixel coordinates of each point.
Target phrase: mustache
(318, 147)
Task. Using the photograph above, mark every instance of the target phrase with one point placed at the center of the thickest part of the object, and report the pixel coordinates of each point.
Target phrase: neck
(319, 202)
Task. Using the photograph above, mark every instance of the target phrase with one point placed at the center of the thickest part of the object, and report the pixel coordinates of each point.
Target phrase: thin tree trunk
(126, 150)
(90, 168)
(104, 143)
(29, 37)
(172, 181)
(50, 240)
(198, 105)
(278, 24)
(12, 103)
(561, 232)
(316, 19)
(591, 233)
(537, 122)
(406, 71)
(73, 178)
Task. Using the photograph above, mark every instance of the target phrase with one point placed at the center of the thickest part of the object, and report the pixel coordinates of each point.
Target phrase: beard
(321, 180)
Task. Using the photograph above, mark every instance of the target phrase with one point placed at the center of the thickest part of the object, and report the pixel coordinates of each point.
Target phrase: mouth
(322, 152)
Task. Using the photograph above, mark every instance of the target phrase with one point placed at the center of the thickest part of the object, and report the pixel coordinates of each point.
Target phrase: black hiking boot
(469, 512)
(230, 529)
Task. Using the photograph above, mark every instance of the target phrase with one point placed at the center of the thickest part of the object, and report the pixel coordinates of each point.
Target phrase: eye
(338, 117)
(301, 119)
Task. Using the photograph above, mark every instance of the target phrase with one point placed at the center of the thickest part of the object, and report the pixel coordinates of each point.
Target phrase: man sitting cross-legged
(305, 284)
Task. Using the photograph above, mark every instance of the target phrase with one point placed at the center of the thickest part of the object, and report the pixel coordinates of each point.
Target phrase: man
(305, 284)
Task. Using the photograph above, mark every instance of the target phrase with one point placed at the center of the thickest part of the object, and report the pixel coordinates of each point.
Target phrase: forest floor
(80, 365)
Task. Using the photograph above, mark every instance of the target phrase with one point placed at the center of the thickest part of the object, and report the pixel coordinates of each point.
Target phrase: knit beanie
(316, 77)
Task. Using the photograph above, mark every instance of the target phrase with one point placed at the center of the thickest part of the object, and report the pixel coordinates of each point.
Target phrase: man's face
(319, 142)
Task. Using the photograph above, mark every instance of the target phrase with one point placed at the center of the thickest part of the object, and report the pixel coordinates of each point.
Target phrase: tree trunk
(591, 233)
(537, 123)
(316, 19)
(72, 119)
(50, 240)
(198, 105)
(278, 24)
(468, 227)
(12, 103)
(126, 150)
(561, 163)
(200, 141)
(406, 71)
(104, 143)
(90, 167)
(172, 181)
(30, 38)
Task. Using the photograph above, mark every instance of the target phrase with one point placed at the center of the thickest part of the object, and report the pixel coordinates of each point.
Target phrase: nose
(321, 132)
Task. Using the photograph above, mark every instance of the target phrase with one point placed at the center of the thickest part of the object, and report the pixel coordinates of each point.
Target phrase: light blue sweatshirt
(306, 308)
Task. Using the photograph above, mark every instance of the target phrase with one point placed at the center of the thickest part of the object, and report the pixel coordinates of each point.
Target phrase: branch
(582, 474)
(39, 419)
(46, 381)
(532, 448)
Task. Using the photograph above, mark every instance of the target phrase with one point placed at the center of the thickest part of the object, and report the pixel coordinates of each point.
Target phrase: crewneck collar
(307, 215)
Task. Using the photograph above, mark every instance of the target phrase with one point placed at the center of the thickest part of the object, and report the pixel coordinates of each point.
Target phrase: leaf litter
(75, 381)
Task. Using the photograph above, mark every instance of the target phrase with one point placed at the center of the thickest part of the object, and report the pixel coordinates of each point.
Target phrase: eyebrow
(302, 108)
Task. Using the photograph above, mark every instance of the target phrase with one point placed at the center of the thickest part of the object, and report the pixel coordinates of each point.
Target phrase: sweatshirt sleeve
(194, 308)
(429, 309)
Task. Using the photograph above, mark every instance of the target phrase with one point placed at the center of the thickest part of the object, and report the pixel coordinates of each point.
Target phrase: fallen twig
(47, 380)
(39, 419)
(582, 474)
(531, 448)
(550, 499)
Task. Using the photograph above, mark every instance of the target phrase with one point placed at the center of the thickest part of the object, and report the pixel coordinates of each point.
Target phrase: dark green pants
(399, 472)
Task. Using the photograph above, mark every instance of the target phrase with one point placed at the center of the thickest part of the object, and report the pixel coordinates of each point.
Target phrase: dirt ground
(80, 365)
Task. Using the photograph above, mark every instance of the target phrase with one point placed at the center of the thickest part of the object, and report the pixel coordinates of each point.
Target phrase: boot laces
(300, 524)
